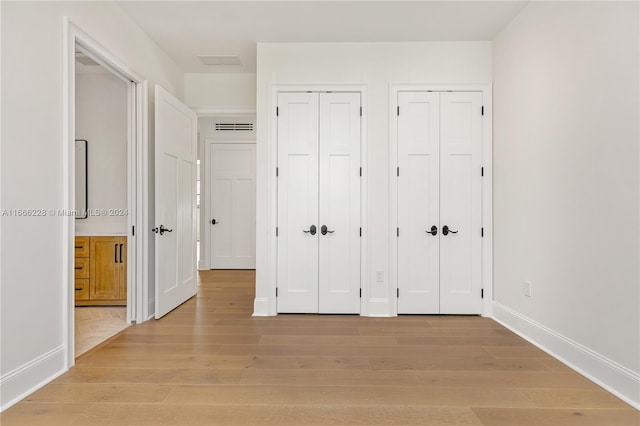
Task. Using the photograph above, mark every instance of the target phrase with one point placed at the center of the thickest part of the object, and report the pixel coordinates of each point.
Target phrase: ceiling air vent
(234, 127)
(219, 60)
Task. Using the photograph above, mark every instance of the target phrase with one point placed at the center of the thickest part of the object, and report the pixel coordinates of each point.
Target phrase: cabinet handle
(121, 252)
(79, 246)
(115, 253)
(78, 267)
(78, 288)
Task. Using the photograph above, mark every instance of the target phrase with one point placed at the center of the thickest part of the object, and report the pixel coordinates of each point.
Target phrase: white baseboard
(26, 379)
(615, 378)
(261, 307)
(379, 307)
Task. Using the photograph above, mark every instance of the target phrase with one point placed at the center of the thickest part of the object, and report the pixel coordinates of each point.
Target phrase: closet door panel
(460, 198)
(339, 196)
(297, 273)
(418, 202)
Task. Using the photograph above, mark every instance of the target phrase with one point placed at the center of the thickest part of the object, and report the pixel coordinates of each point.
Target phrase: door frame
(267, 306)
(487, 185)
(207, 242)
(204, 263)
(137, 181)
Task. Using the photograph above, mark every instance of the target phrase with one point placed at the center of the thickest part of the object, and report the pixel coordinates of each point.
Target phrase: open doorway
(106, 158)
(101, 194)
(228, 192)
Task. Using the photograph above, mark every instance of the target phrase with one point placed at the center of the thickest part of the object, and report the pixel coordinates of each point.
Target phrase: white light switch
(526, 288)
(380, 276)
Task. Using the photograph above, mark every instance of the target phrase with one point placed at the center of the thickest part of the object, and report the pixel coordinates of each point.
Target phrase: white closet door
(232, 224)
(339, 261)
(297, 202)
(460, 202)
(418, 202)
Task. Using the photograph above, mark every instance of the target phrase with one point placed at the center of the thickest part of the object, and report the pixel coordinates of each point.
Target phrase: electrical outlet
(526, 288)
(380, 276)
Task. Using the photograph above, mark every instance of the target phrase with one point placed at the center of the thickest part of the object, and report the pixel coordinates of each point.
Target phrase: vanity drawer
(82, 289)
(82, 247)
(82, 267)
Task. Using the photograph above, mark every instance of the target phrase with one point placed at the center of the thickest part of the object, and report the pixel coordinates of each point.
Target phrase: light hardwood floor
(95, 324)
(209, 362)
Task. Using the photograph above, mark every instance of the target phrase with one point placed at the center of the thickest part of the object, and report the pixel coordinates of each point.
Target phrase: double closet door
(318, 203)
(439, 138)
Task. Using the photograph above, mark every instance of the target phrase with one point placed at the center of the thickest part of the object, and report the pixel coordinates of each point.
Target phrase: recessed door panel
(418, 202)
(456, 252)
(301, 263)
(186, 219)
(168, 280)
(221, 212)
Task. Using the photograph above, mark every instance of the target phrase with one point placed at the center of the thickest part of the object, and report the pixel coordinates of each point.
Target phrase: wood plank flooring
(209, 362)
(95, 324)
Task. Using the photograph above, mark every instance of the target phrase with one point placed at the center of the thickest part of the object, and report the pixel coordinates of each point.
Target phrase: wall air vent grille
(233, 127)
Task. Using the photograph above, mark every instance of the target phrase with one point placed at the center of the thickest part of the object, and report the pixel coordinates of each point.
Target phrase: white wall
(101, 119)
(374, 64)
(566, 184)
(32, 175)
(221, 91)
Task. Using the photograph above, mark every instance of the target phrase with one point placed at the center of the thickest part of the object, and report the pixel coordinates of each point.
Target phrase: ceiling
(186, 29)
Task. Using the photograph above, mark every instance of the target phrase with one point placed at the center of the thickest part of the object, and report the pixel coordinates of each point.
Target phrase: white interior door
(232, 205)
(418, 202)
(339, 253)
(175, 193)
(460, 202)
(439, 188)
(298, 227)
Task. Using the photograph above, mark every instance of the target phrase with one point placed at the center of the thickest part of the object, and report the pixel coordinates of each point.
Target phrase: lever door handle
(163, 229)
(214, 222)
(433, 230)
(446, 230)
(324, 230)
(312, 230)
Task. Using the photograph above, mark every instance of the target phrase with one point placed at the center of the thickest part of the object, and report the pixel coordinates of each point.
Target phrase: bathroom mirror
(82, 171)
